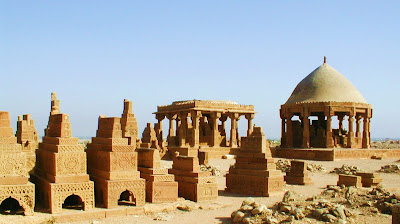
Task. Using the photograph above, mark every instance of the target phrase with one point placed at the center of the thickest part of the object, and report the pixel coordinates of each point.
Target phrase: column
(289, 132)
(358, 122)
(215, 133)
(234, 118)
(182, 128)
(365, 140)
(283, 132)
(340, 118)
(195, 123)
(223, 119)
(249, 118)
(350, 135)
(178, 125)
(306, 131)
(159, 132)
(329, 137)
(171, 131)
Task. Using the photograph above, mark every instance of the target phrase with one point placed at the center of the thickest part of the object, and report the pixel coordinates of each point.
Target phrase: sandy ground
(228, 202)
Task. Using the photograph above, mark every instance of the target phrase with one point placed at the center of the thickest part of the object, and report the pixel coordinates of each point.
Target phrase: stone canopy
(325, 93)
(202, 123)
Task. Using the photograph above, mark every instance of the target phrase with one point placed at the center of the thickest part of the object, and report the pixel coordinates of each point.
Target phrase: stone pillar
(358, 122)
(340, 118)
(289, 132)
(350, 135)
(195, 123)
(178, 125)
(214, 117)
(160, 136)
(182, 128)
(249, 118)
(329, 136)
(366, 140)
(306, 131)
(171, 130)
(283, 132)
(234, 119)
(223, 119)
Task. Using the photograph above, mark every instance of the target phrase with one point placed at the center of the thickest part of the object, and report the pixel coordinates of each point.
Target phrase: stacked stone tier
(193, 184)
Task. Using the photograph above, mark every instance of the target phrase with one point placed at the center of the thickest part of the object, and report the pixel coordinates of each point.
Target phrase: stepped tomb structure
(193, 184)
(199, 126)
(150, 139)
(60, 175)
(113, 162)
(15, 189)
(323, 94)
(27, 136)
(254, 172)
(160, 186)
(129, 124)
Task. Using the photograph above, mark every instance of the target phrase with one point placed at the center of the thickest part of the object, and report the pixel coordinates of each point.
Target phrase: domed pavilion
(322, 95)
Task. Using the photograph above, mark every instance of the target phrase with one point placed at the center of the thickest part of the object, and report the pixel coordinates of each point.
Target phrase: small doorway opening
(73, 202)
(127, 198)
(10, 206)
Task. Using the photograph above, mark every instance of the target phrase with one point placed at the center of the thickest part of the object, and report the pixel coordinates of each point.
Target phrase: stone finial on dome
(324, 59)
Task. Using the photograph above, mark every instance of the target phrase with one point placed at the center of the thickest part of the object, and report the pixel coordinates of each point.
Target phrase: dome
(325, 84)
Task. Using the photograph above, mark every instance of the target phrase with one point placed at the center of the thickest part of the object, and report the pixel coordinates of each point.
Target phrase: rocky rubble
(387, 144)
(346, 169)
(312, 167)
(212, 169)
(334, 205)
(391, 168)
(284, 166)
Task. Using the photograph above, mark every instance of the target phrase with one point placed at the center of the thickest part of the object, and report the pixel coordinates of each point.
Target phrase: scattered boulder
(346, 169)
(237, 216)
(212, 169)
(162, 217)
(391, 168)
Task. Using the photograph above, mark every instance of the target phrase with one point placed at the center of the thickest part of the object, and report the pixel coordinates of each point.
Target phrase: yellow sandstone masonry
(60, 174)
(113, 162)
(14, 167)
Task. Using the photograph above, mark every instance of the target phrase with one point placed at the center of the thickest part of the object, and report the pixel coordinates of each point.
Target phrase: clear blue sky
(95, 54)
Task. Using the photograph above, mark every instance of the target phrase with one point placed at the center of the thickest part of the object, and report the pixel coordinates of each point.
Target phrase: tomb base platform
(161, 192)
(330, 154)
(108, 192)
(250, 185)
(23, 193)
(198, 191)
(298, 180)
(52, 195)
